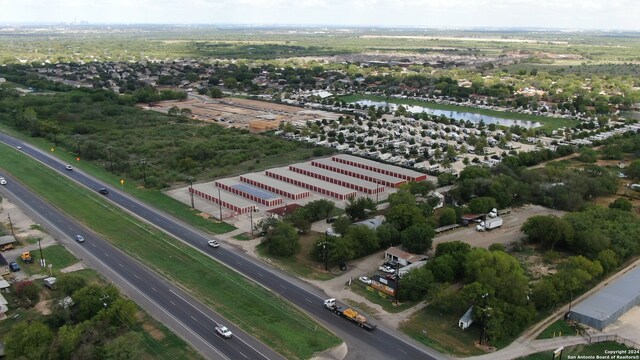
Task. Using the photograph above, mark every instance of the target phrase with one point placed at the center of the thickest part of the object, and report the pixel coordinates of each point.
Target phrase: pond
(458, 115)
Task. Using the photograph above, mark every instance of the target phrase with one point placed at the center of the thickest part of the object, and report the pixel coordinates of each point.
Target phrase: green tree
(548, 231)
(363, 240)
(67, 340)
(447, 216)
(124, 347)
(28, 340)
(357, 209)
(282, 240)
(415, 284)
(388, 235)
(404, 216)
(341, 225)
(418, 238)
(69, 283)
(216, 93)
(482, 205)
(544, 294)
(588, 155)
(622, 204)
(444, 268)
(633, 170)
(401, 197)
(608, 260)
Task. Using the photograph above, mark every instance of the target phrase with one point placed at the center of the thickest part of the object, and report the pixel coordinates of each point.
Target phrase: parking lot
(509, 232)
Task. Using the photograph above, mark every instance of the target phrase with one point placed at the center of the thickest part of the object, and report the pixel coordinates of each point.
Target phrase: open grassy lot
(549, 123)
(152, 338)
(56, 255)
(387, 302)
(440, 332)
(558, 328)
(253, 308)
(300, 264)
(588, 351)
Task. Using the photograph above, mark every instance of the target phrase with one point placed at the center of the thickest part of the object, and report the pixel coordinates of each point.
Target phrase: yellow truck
(26, 257)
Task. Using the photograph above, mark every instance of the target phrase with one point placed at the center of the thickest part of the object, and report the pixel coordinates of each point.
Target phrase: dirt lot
(244, 113)
(509, 231)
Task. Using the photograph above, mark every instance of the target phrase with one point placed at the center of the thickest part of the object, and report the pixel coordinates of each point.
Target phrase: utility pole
(324, 253)
(190, 178)
(42, 262)
(397, 282)
(251, 216)
(484, 317)
(11, 225)
(220, 203)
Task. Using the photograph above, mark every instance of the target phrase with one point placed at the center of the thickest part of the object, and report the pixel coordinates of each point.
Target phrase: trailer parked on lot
(489, 224)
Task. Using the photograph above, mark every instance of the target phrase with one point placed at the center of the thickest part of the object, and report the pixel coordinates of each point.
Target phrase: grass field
(387, 302)
(586, 351)
(300, 264)
(558, 328)
(440, 332)
(261, 313)
(549, 123)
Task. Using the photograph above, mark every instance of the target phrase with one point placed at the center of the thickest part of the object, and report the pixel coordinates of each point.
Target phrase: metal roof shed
(612, 301)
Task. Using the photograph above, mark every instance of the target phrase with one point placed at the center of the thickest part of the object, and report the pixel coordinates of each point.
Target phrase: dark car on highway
(103, 191)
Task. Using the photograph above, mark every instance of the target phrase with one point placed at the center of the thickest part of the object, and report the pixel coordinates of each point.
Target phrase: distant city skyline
(554, 14)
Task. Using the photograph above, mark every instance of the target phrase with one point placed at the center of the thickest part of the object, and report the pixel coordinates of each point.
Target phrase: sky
(555, 14)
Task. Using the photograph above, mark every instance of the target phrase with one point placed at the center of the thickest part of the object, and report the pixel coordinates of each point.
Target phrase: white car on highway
(3, 181)
(213, 243)
(223, 331)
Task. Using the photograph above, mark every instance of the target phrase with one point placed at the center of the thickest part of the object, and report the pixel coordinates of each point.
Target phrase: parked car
(80, 238)
(103, 191)
(391, 264)
(6, 247)
(386, 269)
(365, 280)
(213, 243)
(224, 331)
(13, 266)
(3, 181)
(68, 167)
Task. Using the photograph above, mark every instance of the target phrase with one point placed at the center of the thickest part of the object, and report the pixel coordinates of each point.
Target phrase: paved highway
(173, 307)
(382, 343)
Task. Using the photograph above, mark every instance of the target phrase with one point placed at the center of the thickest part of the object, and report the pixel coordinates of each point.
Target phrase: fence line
(612, 337)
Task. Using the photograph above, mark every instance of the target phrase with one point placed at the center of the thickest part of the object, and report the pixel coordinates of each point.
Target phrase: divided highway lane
(193, 320)
(381, 343)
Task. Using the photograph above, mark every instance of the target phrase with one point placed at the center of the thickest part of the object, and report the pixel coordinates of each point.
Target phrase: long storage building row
(275, 186)
(381, 168)
(336, 191)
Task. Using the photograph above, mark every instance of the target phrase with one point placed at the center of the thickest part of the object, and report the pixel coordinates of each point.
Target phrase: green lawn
(440, 332)
(587, 351)
(387, 302)
(549, 123)
(258, 311)
(558, 328)
(300, 264)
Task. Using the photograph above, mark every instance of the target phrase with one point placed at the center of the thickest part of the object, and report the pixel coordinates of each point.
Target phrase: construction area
(253, 115)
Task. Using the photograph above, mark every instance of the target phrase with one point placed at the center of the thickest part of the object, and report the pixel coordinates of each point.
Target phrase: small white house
(466, 320)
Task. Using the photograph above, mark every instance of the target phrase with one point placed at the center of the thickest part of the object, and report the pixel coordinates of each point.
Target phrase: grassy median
(259, 312)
